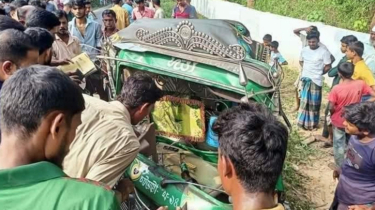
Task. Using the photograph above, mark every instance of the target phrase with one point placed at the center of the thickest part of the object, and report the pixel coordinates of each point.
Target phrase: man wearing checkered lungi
(315, 62)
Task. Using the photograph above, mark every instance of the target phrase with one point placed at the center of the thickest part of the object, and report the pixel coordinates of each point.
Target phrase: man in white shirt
(315, 61)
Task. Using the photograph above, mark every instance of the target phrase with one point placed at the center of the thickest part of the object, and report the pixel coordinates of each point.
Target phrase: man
(159, 12)
(43, 19)
(315, 61)
(129, 7)
(9, 23)
(87, 31)
(122, 15)
(50, 6)
(327, 128)
(184, 11)
(252, 150)
(141, 11)
(16, 51)
(106, 143)
(361, 70)
(193, 8)
(23, 12)
(65, 46)
(109, 21)
(44, 40)
(369, 52)
(88, 10)
(68, 10)
(303, 37)
(40, 112)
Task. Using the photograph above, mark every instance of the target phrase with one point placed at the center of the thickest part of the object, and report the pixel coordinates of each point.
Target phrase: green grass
(349, 14)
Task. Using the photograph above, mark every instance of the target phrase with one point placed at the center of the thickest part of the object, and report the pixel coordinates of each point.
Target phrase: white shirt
(314, 62)
(159, 13)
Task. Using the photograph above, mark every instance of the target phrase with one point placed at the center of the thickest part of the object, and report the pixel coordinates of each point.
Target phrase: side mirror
(242, 77)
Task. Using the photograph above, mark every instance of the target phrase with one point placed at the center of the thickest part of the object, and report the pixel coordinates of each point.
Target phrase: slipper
(332, 166)
(327, 144)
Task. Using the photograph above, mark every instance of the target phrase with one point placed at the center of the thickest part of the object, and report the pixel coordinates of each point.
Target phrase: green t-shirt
(44, 186)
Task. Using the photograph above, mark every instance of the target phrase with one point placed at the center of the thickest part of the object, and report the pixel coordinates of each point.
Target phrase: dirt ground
(319, 184)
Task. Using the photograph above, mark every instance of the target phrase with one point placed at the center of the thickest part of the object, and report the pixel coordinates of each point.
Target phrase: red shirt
(343, 95)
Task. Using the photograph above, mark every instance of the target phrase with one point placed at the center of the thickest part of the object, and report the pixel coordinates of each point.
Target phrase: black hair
(357, 47)
(43, 19)
(109, 12)
(267, 37)
(275, 44)
(14, 46)
(31, 93)
(348, 39)
(346, 69)
(156, 2)
(139, 1)
(41, 38)
(2, 12)
(313, 35)
(256, 144)
(362, 115)
(138, 90)
(61, 14)
(9, 23)
(19, 3)
(87, 3)
(116, 1)
(314, 28)
(7, 1)
(36, 3)
(78, 3)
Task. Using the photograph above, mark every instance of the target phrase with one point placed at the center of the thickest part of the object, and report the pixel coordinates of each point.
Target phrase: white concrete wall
(280, 27)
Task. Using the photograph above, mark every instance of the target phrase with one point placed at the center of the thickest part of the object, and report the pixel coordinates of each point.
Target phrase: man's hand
(61, 62)
(336, 174)
(361, 207)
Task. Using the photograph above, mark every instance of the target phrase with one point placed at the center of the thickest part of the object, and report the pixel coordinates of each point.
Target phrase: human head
(311, 29)
(274, 45)
(129, 2)
(355, 49)
(313, 40)
(267, 39)
(109, 19)
(36, 3)
(2, 12)
(41, 108)
(156, 2)
(87, 7)
(139, 94)
(16, 51)
(345, 41)
(44, 40)
(19, 3)
(63, 19)
(182, 3)
(252, 148)
(372, 36)
(8, 23)
(140, 3)
(346, 70)
(78, 9)
(360, 119)
(43, 19)
(67, 6)
(23, 13)
(119, 2)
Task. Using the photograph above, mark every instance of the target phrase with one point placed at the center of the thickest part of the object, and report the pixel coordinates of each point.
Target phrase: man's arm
(327, 61)
(110, 169)
(298, 31)
(98, 36)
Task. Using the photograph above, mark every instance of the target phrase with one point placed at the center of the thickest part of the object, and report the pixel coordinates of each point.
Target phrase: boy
(275, 55)
(348, 92)
(267, 39)
(356, 177)
(252, 149)
(361, 71)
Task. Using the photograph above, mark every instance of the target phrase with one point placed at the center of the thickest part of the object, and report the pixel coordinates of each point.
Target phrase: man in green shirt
(40, 111)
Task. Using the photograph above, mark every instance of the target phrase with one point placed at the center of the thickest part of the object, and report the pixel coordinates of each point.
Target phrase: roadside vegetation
(355, 15)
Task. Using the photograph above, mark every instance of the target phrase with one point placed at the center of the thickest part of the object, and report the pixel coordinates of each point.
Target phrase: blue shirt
(92, 37)
(130, 11)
